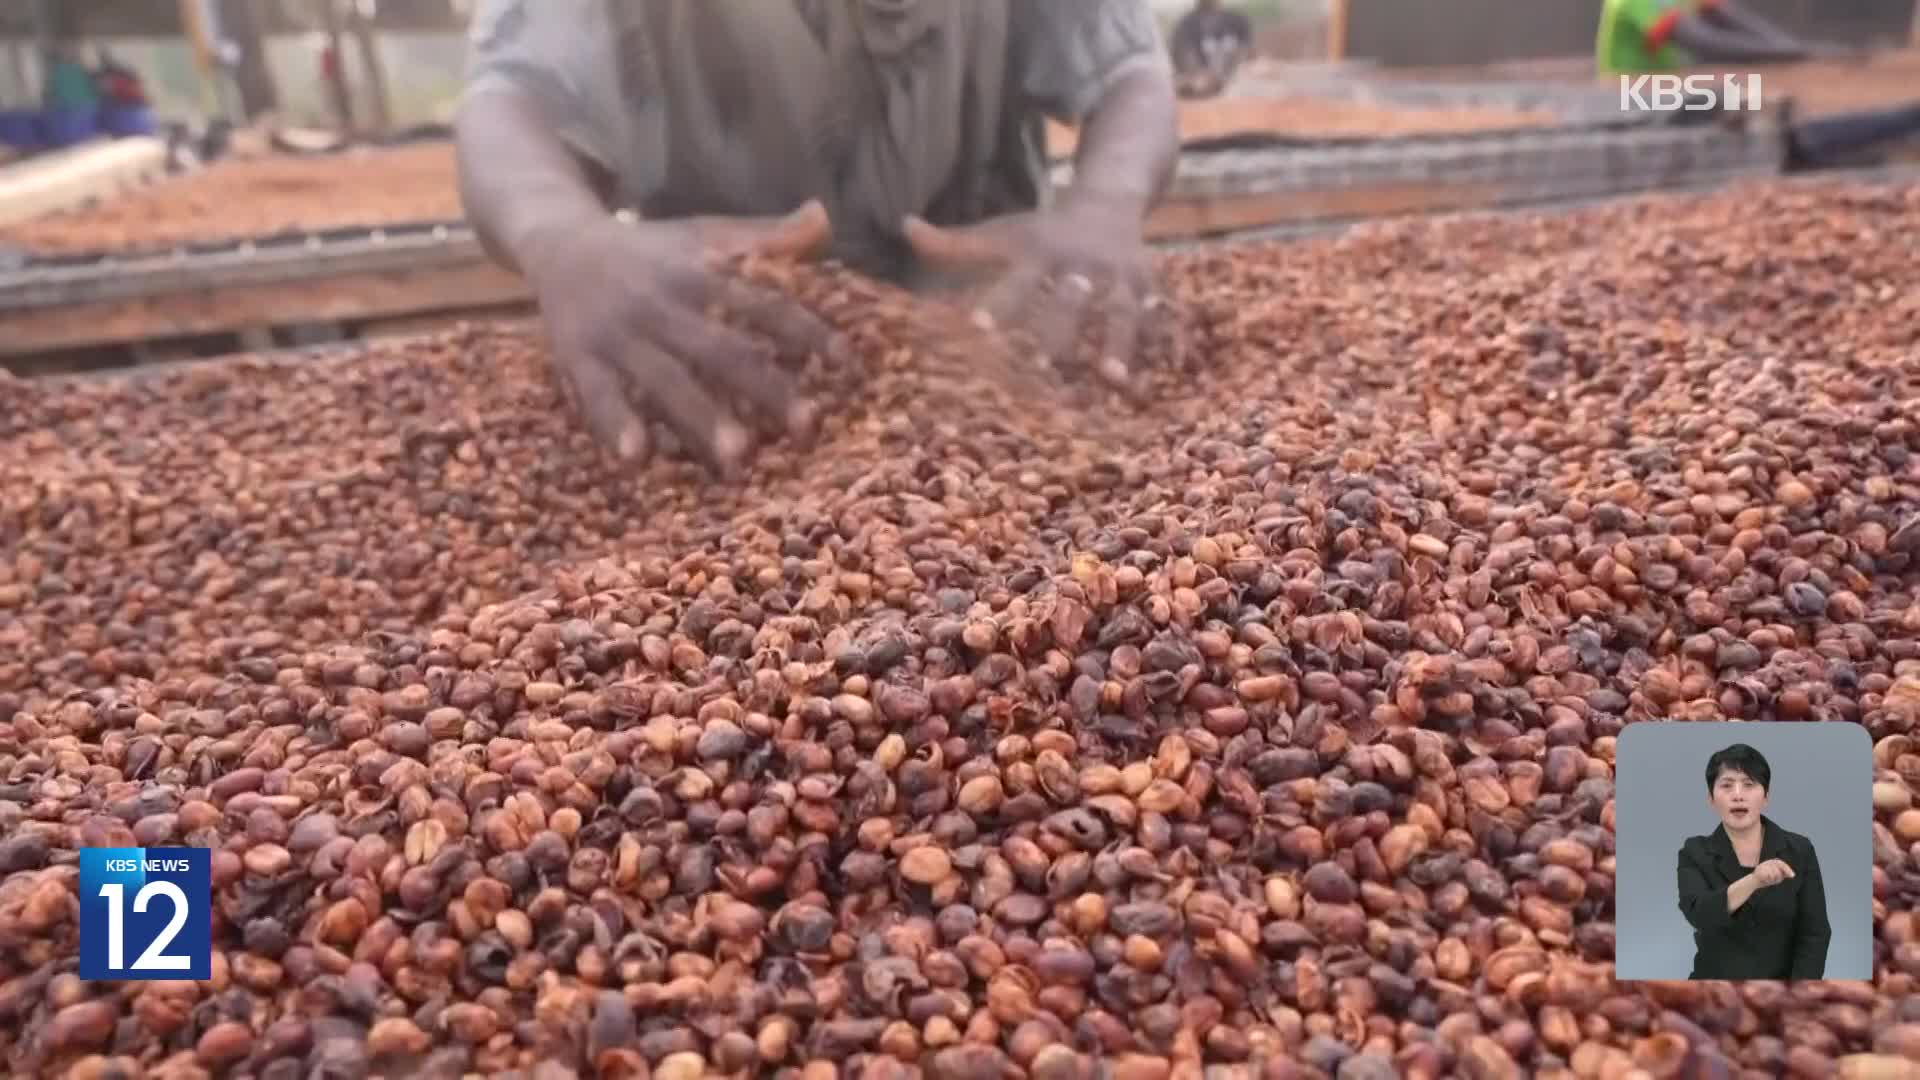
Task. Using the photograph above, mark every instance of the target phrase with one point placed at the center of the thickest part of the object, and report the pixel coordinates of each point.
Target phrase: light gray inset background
(1822, 789)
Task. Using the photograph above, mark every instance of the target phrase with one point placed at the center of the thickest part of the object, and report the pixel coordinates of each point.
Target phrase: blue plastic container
(20, 129)
(124, 120)
(67, 127)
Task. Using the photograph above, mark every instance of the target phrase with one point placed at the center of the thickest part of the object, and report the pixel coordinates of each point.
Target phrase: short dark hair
(1739, 758)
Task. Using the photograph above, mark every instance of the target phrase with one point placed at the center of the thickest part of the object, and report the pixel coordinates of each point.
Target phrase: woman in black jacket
(1750, 888)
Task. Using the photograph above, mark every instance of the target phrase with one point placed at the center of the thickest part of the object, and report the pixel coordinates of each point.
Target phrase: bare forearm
(1740, 18)
(519, 182)
(1131, 143)
(1715, 45)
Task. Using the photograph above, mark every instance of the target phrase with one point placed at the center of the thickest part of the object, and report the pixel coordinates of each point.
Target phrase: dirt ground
(258, 197)
(1307, 116)
(1882, 80)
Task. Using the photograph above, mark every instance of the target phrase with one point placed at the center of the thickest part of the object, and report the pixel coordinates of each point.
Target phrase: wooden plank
(375, 67)
(1305, 115)
(353, 298)
(1180, 219)
(431, 322)
(74, 177)
(199, 35)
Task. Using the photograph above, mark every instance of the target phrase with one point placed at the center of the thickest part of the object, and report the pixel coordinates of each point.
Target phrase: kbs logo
(1689, 93)
(150, 906)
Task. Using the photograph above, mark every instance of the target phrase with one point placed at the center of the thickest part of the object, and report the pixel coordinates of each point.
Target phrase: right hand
(1772, 872)
(628, 306)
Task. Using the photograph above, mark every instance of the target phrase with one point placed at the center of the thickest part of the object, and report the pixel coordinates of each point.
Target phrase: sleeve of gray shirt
(1072, 51)
(559, 53)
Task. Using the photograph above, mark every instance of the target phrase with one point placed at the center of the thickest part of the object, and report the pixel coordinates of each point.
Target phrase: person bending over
(69, 86)
(119, 84)
(1663, 35)
(1209, 42)
(1751, 889)
(895, 135)
(1652, 36)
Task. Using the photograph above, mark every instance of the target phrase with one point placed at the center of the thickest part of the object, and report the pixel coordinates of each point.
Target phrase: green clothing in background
(1635, 35)
(70, 86)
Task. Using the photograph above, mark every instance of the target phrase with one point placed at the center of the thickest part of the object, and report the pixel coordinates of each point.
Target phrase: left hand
(1080, 264)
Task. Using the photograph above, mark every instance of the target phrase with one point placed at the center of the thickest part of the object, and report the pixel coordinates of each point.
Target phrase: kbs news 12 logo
(1690, 93)
(146, 913)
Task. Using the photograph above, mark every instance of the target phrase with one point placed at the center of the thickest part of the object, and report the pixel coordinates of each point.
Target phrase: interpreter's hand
(1081, 264)
(631, 311)
(1772, 872)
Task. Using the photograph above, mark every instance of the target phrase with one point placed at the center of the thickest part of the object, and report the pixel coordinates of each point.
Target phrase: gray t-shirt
(879, 108)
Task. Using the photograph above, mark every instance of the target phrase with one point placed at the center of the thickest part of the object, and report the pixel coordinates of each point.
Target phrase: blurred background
(414, 47)
(401, 59)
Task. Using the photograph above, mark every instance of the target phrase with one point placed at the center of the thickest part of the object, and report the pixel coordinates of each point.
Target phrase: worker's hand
(1061, 270)
(631, 312)
(1772, 872)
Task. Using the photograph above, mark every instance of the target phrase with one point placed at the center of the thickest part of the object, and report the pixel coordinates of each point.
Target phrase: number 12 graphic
(155, 958)
(153, 906)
